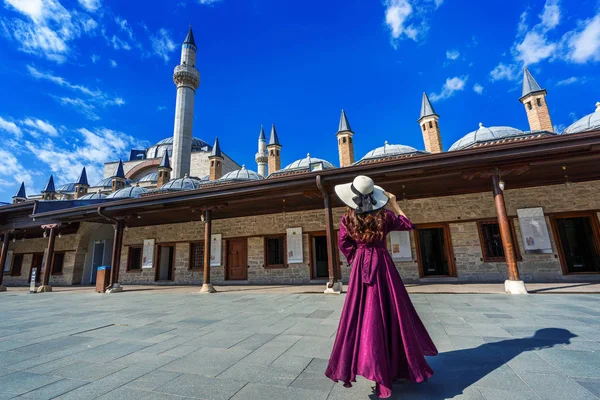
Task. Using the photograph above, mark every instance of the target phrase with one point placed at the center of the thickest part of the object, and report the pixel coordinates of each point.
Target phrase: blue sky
(83, 81)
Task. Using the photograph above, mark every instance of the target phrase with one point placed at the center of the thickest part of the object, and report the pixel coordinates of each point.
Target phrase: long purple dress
(380, 335)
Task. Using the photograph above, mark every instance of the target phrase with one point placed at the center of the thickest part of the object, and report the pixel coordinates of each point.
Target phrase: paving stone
(313, 381)
(55, 389)
(153, 380)
(259, 374)
(201, 387)
(19, 383)
(592, 385)
(574, 363)
(86, 371)
(255, 391)
(206, 361)
(555, 386)
(126, 393)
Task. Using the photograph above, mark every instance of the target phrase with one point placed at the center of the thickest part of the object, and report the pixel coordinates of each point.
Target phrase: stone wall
(459, 212)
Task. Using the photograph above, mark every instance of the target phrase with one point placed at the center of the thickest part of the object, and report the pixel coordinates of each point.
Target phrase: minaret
(49, 192)
(187, 79)
(82, 185)
(261, 157)
(216, 162)
(345, 145)
(429, 126)
(164, 170)
(21, 196)
(118, 179)
(534, 100)
(274, 151)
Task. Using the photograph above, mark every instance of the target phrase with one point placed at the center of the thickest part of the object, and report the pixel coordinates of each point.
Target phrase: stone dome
(66, 188)
(485, 134)
(588, 123)
(93, 196)
(167, 144)
(307, 162)
(185, 183)
(127, 193)
(242, 174)
(107, 183)
(151, 177)
(390, 150)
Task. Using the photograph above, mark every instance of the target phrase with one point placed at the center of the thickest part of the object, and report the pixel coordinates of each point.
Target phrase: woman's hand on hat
(390, 196)
(392, 205)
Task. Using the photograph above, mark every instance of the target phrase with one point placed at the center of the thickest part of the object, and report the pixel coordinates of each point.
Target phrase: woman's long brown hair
(365, 227)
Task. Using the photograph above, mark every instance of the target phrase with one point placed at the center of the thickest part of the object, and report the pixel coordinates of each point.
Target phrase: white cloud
(42, 126)
(90, 5)
(161, 108)
(81, 106)
(209, 2)
(12, 169)
(95, 58)
(113, 63)
(60, 81)
(584, 44)
(89, 148)
(522, 27)
(450, 87)
(46, 29)
(119, 44)
(550, 17)
(567, 81)
(477, 88)
(408, 18)
(534, 48)
(125, 27)
(162, 44)
(452, 54)
(10, 127)
(504, 72)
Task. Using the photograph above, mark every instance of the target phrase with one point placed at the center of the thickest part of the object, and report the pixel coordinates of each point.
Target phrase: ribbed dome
(128, 192)
(242, 174)
(389, 150)
(588, 123)
(151, 177)
(306, 162)
(485, 134)
(93, 196)
(185, 183)
(167, 144)
(108, 183)
(66, 188)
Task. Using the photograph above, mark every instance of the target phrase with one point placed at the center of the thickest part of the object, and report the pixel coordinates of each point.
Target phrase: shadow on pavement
(457, 370)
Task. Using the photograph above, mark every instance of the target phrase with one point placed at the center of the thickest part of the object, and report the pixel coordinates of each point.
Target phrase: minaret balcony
(186, 75)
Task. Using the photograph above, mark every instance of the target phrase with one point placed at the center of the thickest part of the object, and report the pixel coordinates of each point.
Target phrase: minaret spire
(216, 162)
(428, 120)
(49, 192)
(164, 170)
(262, 158)
(274, 151)
(82, 185)
(345, 142)
(187, 79)
(20, 196)
(534, 99)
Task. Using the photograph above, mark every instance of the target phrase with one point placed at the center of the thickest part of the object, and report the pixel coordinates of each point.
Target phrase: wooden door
(237, 259)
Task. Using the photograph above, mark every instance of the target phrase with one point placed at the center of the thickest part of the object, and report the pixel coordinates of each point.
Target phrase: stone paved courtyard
(257, 345)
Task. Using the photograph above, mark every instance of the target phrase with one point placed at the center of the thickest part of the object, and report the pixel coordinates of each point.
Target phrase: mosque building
(502, 204)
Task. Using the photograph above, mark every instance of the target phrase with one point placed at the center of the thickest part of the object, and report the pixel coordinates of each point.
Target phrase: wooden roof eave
(508, 153)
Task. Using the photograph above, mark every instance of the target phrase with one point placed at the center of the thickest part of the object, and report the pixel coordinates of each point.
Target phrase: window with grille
(16, 265)
(57, 263)
(539, 102)
(134, 261)
(275, 252)
(491, 241)
(197, 255)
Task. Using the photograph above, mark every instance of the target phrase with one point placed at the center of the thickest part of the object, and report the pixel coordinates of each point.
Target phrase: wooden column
(207, 235)
(3, 255)
(331, 247)
(49, 256)
(207, 287)
(505, 231)
(116, 254)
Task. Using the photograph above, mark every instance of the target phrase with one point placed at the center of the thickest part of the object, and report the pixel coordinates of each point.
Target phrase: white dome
(389, 150)
(242, 174)
(306, 162)
(127, 192)
(185, 183)
(588, 123)
(485, 134)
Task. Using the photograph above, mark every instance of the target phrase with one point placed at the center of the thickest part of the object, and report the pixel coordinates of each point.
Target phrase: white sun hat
(362, 195)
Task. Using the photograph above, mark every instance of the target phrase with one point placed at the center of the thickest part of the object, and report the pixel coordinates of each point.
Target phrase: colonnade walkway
(273, 342)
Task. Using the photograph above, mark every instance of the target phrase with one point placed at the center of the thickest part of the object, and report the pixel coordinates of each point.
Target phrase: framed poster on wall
(534, 230)
(7, 264)
(400, 246)
(148, 254)
(215, 250)
(294, 245)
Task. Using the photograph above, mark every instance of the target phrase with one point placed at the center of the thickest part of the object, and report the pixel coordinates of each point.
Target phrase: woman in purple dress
(380, 335)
